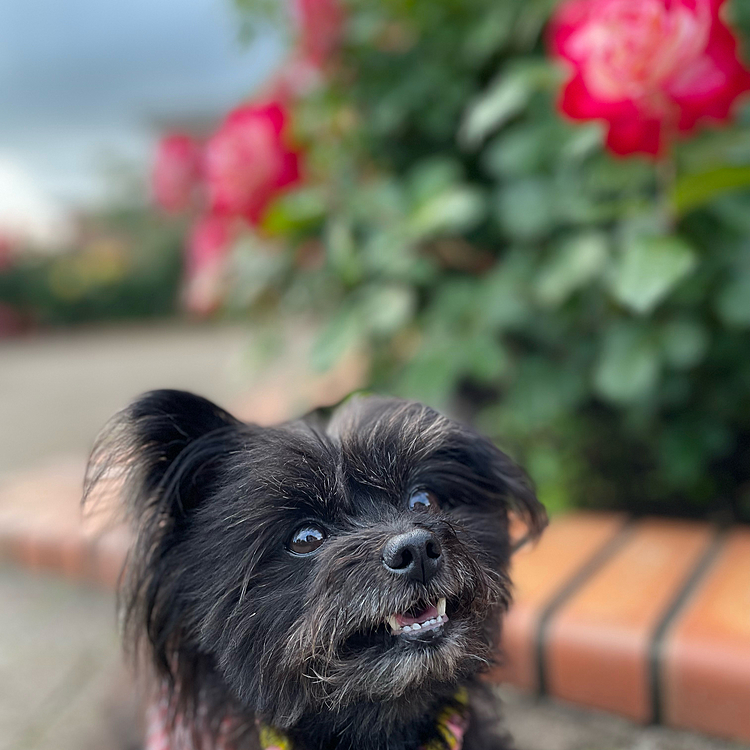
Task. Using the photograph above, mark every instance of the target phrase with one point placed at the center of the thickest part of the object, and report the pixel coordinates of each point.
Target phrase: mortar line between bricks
(594, 563)
(688, 587)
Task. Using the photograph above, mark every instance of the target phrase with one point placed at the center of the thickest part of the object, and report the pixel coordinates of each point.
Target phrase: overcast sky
(84, 81)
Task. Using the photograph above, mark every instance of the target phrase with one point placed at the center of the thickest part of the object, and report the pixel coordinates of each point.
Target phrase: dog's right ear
(157, 453)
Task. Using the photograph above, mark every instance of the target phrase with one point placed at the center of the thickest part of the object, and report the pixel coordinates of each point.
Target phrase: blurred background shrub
(124, 264)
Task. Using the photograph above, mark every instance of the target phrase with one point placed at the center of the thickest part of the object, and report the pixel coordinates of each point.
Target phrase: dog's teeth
(406, 629)
(393, 622)
(441, 606)
(416, 626)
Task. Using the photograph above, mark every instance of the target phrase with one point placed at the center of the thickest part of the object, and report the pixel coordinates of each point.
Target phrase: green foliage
(591, 312)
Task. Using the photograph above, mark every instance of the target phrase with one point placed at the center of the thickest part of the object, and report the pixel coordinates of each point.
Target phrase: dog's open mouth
(425, 619)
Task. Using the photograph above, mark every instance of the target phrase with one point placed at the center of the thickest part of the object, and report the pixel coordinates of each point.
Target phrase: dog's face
(320, 564)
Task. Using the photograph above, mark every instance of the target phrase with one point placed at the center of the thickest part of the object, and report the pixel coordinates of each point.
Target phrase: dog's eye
(306, 540)
(422, 500)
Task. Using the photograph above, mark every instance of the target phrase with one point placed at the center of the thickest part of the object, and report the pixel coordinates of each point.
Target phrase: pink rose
(248, 162)
(650, 68)
(176, 171)
(206, 253)
(320, 23)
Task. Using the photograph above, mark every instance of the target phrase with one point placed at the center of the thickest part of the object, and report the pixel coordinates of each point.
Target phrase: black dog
(334, 582)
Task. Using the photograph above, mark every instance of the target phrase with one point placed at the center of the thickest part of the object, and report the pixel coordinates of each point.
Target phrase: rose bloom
(650, 68)
(176, 171)
(206, 253)
(248, 162)
(320, 23)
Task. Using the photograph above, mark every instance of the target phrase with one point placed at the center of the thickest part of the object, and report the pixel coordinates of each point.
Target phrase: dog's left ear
(156, 453)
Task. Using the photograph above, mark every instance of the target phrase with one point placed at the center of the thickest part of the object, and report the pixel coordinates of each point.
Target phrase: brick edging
(654, 624)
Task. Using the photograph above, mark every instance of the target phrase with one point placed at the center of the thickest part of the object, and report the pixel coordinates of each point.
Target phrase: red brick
(599, 642)
(706, 656)
(539, 572)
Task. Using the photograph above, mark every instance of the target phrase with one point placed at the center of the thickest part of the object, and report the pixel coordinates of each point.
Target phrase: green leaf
(684, 343)
(551, 470)
(503, 296)
(505, 97)
(579, 261)
(433, 176)
(385, 309)
(389, 252)
(733, 302)
(649, 268)
(341, 334)
(584, 140)
(520, 150)
(432, 375)
(295, 210)
(628, 366)
(526, 209)
(453, 211)
(694, 190)
(342, 252)
(490, 34)
(487, 359)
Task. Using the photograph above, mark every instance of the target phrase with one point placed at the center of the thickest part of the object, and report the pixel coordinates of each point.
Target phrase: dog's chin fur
(239, 628)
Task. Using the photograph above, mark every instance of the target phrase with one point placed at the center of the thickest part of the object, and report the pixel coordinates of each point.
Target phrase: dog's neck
(406, 724)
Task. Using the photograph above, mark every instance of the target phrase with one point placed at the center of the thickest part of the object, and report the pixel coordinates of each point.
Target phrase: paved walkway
(62, 684)
(57, 391)
(541, 724)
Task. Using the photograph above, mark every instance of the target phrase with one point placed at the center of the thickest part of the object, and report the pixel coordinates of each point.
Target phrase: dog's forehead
(387, 424)
(369, 448)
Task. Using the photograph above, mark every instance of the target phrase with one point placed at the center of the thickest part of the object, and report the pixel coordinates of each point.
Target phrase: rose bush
(649, 68)
(484, 253)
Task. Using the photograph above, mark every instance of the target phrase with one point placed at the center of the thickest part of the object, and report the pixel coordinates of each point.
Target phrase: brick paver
(707, 653)
(598, 646)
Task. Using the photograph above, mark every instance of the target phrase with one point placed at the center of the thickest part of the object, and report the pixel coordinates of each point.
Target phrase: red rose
(176, 171)
(320, 23)
(248, 163)
(208, 245)
(650, 68)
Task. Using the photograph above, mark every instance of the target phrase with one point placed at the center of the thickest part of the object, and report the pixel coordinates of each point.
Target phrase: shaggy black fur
(240, 627)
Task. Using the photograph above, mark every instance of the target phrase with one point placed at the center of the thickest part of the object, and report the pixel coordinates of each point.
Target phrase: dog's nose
(415, 554)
